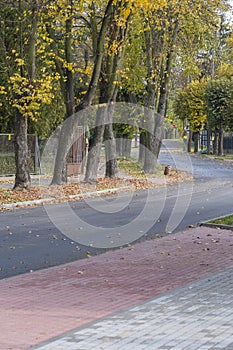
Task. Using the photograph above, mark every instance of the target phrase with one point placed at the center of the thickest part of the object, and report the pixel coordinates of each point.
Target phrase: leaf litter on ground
(103, 186)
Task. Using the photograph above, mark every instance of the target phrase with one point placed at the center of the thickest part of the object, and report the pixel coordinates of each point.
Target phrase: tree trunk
(150, 162)
(127, 143)
(220, 143)
(142, 147)
(22, 177)
(119, 145)
(163, 94)
(66, 138)
(64, 144)
(196, 142)
(154, 139)
(108, 92)
(59, 174)
(67, 87)
(110, 145)
(89, 96)
(190, 135)
(69, 97)
(110, 152)
(215, 143)
(95, 148)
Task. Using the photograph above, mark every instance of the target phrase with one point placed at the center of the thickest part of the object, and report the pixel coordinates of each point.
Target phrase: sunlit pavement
(173, 292)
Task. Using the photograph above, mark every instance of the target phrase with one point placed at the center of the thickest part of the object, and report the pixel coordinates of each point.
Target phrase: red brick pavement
(37, 306)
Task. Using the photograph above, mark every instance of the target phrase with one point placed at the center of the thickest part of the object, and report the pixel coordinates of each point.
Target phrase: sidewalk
(196, 316)
(39, 306)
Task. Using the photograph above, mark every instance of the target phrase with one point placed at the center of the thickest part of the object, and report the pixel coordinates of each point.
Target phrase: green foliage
(134, 71)
(190, 105)
(124, 130)
(219, 104)
(29, 82)
(40, 96)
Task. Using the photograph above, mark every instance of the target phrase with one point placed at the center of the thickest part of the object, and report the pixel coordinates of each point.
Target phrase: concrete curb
(26, 203)
(213, 225)
(52, 199)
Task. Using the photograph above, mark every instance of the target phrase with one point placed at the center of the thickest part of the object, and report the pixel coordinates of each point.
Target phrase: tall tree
(25, 90)
(190, 107)
(89, 96)
(219, 96)
(178, 20)
(108, 86)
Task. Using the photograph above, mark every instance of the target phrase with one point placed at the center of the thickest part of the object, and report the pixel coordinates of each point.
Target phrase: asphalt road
(32, 238)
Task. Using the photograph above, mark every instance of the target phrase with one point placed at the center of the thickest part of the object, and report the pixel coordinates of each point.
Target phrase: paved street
(30, 240)
(172, 292)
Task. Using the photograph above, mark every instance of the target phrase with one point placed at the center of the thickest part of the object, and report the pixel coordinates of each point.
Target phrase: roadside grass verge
(226, 220)
(132, 167)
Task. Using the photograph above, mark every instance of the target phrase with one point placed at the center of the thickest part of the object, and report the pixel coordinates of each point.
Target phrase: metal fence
(75, 156)
(228, 143)
(7, 156)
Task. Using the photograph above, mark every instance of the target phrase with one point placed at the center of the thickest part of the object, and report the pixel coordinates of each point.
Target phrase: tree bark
(196, 141)
(220, 143)
(66, 138)
(119, 145)
(69, 98)
(89, 96)
(154, 138)
(110, 145)
(215, 143)
(163, 94)
(142, 146)
(60, 173)
(22, 177)
(108, 92)
(127, 143)
(63, 147)
(190, 135)
(110, 152)
(93, 158)
(149, 162)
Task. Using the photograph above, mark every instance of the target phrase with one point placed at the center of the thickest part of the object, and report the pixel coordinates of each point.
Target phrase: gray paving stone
(196, 316)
